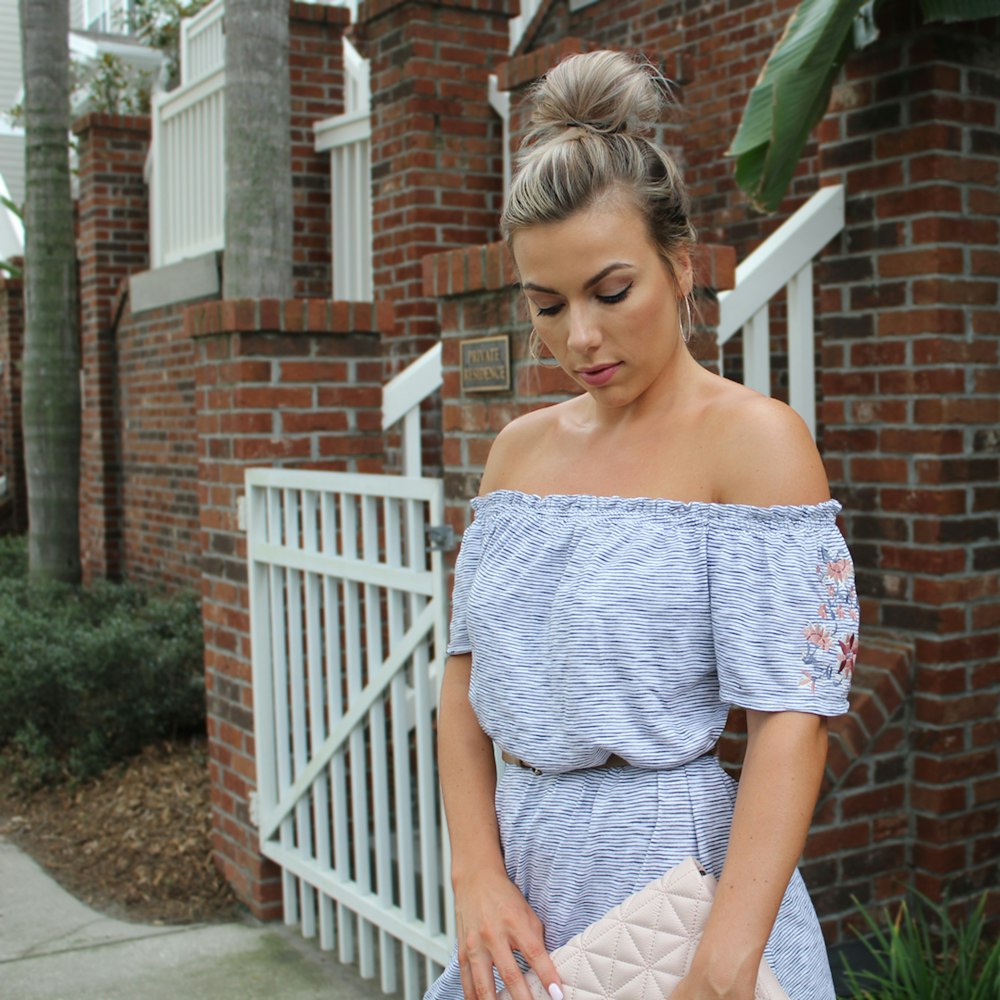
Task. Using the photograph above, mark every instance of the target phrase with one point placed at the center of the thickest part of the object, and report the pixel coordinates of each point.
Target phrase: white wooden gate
(348, 627)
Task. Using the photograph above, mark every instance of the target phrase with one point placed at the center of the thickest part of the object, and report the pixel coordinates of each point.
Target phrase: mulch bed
(135, 843)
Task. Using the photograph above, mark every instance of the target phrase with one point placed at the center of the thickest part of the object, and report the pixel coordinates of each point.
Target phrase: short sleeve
(465, 570)
(784, 609)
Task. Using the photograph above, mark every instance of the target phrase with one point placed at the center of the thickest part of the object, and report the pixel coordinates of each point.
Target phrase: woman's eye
(617, 297)
(548, 310)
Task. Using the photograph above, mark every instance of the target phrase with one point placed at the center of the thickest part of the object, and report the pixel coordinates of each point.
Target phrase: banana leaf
(792, 93)
(790, 96)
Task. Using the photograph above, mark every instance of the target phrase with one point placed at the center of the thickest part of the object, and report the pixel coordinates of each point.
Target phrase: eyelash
(606, 299)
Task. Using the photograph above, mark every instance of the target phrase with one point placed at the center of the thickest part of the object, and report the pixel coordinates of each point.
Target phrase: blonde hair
(590, 133)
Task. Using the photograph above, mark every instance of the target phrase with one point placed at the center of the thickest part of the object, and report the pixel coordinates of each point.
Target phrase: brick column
(13, 506)
(294, 383)
(912, 405)
(316, 75)
(436, 145)
(112, 242)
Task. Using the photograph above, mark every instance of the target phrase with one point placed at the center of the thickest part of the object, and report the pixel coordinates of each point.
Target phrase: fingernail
(555, 992)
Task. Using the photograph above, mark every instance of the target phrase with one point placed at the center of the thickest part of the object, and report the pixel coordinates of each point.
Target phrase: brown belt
(613, 761)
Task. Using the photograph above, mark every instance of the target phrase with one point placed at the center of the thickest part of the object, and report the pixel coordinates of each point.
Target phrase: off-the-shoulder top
(625, 625)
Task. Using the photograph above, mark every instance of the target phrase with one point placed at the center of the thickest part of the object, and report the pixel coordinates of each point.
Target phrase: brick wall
(14, 506)
(295, 383)
(112, 242)
(437, 172)
(909, 294)
(316, 71)
(156, 433)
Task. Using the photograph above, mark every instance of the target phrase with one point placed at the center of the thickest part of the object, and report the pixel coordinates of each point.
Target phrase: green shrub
(90, 675)
(924, 954)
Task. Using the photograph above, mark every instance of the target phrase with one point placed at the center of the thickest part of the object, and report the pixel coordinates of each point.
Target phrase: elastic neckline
(659, 506)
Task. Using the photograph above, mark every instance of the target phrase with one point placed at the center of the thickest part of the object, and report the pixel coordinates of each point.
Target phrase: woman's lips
(599, 374)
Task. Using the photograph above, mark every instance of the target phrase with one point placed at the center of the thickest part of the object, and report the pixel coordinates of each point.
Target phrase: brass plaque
(486, 364)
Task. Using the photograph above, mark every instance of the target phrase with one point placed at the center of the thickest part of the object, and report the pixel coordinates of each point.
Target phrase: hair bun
(603, 92)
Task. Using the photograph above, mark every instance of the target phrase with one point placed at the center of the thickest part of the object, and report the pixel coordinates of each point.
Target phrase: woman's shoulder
(519, 443)
(765, 454)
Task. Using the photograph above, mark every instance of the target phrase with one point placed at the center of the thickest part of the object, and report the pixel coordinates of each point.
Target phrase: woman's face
(602, 300)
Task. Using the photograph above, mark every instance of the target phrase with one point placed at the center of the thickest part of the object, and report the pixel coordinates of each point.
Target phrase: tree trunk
(51, 367)
(258, 259)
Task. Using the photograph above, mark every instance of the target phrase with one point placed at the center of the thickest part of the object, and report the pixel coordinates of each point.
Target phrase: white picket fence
(347, 138)
(783, 261)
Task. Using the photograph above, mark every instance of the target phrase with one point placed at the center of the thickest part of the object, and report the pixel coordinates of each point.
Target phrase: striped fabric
(611, 625)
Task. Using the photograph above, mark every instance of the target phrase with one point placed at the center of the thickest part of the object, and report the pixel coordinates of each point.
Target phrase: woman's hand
(493, 919)
(692, 988)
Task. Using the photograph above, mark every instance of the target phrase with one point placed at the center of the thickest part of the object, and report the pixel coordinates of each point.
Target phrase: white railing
(347, 137)
(203, 43)
(186, 171)
(401, 399)
(783, 260)
(347, 611)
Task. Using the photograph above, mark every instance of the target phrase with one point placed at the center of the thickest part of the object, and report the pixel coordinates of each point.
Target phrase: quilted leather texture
(642, 948)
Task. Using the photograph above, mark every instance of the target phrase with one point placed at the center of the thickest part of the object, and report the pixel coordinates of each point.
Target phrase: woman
(643, 556)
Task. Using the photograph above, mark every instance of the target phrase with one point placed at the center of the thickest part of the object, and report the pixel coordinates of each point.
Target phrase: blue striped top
(621, 625)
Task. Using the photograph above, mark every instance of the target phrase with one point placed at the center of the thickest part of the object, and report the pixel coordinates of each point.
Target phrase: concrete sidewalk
(53, 947)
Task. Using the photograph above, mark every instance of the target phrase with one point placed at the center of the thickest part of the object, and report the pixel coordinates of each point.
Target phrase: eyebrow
(589, 283)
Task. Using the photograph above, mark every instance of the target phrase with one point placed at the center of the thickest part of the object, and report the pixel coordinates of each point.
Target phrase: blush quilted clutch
(643, 948)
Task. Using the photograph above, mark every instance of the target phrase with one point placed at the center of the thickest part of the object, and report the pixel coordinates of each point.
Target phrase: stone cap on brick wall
(370, 9)
(208, 319)
(527, 68)
(319, 12)
(489, 268)
(112, 123)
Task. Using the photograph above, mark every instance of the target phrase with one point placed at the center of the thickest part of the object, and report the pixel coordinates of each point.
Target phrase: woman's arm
(779, 785)
(492, 916)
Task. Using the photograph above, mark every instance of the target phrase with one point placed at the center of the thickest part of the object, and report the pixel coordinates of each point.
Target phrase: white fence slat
(297, 693)
(402, 782)
(279, 688)
(802, 347)
(377, 742)
(757, 352)
(337, 767)
(353, 625)
(317, 711)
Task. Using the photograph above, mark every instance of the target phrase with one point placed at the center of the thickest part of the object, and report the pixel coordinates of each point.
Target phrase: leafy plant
(114, 86)
(923, 954)
(157, 23)
(91, 675)
(792, 93)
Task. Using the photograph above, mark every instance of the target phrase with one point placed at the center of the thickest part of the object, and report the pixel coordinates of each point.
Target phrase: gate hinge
(441, 537)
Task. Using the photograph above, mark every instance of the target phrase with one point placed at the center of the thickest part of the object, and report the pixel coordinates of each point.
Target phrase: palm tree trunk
(258, 260)
(51, 372)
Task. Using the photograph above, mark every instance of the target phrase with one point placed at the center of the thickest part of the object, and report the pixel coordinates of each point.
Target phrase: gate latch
(440, 537)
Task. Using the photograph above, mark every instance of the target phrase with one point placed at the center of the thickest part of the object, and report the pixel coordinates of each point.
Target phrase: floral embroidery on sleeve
(831, 641)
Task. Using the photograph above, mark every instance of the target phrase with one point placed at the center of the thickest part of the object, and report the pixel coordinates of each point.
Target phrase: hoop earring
(688, 330)
(534, 351)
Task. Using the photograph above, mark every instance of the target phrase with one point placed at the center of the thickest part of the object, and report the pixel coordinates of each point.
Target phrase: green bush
(924, 954)
(90, 675)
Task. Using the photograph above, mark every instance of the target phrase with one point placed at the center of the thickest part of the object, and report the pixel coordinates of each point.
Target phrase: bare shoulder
(765, 454)
(515, 445)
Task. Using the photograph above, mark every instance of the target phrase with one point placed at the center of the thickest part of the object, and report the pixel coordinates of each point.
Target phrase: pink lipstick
(599, 374)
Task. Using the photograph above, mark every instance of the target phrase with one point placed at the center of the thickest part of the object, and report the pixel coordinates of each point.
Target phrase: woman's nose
(584, 333)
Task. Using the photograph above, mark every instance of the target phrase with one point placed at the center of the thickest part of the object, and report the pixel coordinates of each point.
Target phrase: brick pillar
(316, 73)
(294, 383)
(14, 505)
(112, 242)
(912, 405)
(437, 175)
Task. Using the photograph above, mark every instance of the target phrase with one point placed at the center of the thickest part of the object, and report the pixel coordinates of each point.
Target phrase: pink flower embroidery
(840, 611)
(807, 680)
(821, 611)
(847, 655)
(818, 635)
(840, 570)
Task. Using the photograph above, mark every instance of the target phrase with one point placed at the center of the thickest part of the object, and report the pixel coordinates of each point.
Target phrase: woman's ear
(685, 274)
